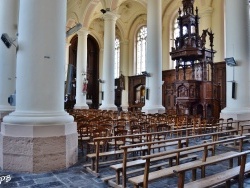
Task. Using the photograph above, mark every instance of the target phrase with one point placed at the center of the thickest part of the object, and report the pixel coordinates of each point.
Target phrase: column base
(124, 107)
(108, 107)
(38, 148)
(81, 106)
(153, 109)
(46, 118)
(235, 113)
(4, 113)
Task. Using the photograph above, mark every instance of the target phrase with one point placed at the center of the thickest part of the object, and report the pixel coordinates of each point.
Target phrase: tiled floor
(77, 176)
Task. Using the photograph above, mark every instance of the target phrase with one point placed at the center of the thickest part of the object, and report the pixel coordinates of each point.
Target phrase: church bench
(245, 130)
(221, 177)
(94, 169)
(94, 166)
(218, 178)
(122, 167)
(143, 180)
(150, 145)
(138, 181)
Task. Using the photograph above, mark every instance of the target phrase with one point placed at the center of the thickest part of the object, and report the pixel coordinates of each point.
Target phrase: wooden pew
(95, 157)
(143, 180)
(122, 167)
(244, 128)
(218, 178)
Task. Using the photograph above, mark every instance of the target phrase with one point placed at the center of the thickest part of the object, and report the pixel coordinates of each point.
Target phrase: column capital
(110, 16)
(125, 42)
(206, 11)
(83, 31)
(68, 44)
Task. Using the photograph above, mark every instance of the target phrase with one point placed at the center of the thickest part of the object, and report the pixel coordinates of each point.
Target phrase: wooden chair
(121, 121)
(117, 142)
(98, 132)
(229, 124)
(159, 128)
(118, 127)
(196, 129)
(83, 134)
(135, 129)
(220, 121)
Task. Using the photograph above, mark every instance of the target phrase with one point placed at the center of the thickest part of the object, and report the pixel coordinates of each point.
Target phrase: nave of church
(177, 58)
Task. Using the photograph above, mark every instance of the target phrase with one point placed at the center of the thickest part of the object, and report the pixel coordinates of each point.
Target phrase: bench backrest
(205, 145)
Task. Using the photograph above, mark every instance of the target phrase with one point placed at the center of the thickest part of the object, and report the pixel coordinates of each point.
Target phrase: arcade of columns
(39, 135)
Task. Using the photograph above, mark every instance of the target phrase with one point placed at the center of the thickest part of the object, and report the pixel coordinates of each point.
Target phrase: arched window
(117, 58)
(175, 34)
(141, 47)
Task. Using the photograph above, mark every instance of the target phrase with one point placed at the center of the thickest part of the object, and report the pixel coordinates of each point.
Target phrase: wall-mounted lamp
(145, 73)
(8, 41)
(105, 10)
(73, 30)
(230, 61)
(101, 81)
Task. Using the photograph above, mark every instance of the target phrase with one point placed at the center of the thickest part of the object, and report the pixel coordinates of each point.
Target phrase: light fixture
(145, 73)
(8, 41)
(101, 81)
(73, 30)
(103, 11)
(230, 61)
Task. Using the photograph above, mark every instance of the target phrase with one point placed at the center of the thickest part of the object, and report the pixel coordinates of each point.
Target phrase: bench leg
(228, 183)
(193, 174)
(181, 180)
(203, 172)
(93, 164)
(118, 177)
(171, 162)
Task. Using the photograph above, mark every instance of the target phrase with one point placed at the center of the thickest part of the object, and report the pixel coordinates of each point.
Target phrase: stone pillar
(81, 70)
(205, 18)
(154, 58)
(39, 135)
(124, 70)
(66, 58)
(218, 29)
(237, 46)
(205, 14)
(108, 86)
(8, 24)
(100, 76)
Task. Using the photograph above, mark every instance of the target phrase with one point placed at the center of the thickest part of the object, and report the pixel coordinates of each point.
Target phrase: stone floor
(77, 176)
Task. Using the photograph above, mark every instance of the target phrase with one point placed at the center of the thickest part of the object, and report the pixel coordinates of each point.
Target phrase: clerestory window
(141, 50)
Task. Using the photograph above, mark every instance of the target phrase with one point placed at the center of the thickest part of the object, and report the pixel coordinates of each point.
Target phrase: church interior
(124, 93)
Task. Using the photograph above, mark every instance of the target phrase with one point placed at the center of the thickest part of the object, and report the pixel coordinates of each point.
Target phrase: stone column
(205, 14)
(100, 76)
(218, 29)
(154, 58)
(108, 86)
(8, 24)
(124, 70)
(66, 58)
(39, 135)
(81, 70)
(237, 46)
